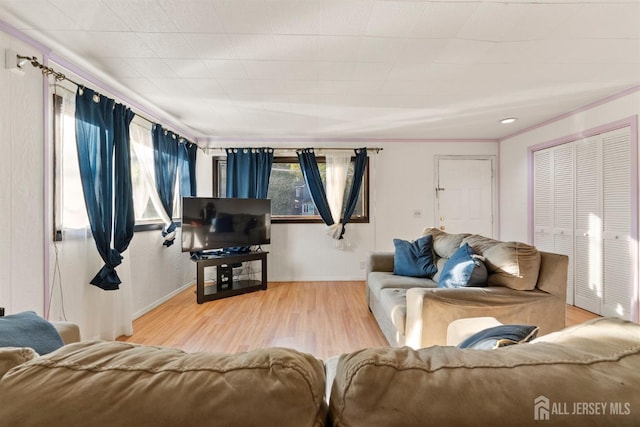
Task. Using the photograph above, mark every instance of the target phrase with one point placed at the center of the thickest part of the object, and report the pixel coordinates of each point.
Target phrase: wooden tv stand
(237, 287)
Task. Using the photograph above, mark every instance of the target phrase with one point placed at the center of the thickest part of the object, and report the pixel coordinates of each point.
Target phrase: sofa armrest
(380, 261)
(552, 277)
(69, 332)
(430, 311)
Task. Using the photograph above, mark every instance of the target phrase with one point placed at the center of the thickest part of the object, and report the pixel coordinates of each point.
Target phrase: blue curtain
(165, 159)
(311, 174)
(248, 172)
(102, 139)
(360, 164)
(187, 168)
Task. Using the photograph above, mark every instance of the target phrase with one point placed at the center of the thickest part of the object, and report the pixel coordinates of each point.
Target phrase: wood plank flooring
(321, 318)
(576, 315)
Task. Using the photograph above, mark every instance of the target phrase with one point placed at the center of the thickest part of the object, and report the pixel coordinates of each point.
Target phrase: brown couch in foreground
(593, 365)
(525, 286)
(588, 375)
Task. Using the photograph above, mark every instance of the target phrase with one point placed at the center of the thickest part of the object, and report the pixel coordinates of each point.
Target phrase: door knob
(442, 227)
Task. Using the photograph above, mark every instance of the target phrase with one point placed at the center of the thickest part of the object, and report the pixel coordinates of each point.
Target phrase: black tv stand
(225, 286)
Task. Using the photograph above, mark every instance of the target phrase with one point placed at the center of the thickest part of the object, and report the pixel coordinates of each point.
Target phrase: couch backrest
(594, 363)
(122, 384)
(514, 265)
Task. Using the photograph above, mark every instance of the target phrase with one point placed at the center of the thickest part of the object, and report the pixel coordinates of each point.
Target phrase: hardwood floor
(576, 315)
(321, 318)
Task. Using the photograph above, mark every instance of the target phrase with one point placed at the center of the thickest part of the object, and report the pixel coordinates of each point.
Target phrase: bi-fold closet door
(582, 208)
(553, 205)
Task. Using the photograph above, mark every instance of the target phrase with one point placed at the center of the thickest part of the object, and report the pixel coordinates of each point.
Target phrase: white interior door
(465, 196)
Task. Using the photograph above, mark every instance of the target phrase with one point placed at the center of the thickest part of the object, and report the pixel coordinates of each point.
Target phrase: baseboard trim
(162, 300)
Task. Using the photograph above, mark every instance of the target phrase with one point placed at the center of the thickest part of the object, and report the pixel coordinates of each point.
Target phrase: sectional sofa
(587, 375)
(524, 286)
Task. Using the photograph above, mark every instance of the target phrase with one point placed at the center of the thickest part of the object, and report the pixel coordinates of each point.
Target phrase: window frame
(301, 219)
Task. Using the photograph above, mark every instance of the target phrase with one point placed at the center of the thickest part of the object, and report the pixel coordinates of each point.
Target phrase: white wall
(21, 185)
(514, 209)
(405, 183)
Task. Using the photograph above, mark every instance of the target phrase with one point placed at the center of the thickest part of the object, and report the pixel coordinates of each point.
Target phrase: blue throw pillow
(500, 336)
(27, 329)
(463, 269)
(415, 258)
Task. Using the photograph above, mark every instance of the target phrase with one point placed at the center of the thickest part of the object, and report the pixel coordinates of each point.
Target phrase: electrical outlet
(363, 265)
(417, 213)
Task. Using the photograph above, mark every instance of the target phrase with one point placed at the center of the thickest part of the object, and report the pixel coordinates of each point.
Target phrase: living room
(298, 251)
(51, 277)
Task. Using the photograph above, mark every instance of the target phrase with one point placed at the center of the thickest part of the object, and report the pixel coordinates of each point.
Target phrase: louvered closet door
(588, 225)
(617, 241)
(542, 200)
(553, 205)
(563, 209)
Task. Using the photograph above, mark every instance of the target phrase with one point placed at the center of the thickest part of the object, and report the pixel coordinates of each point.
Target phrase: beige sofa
(123, 384)
(526, 286)
(588, 375)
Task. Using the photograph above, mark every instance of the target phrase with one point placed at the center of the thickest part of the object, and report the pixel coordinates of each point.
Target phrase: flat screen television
(212, 223)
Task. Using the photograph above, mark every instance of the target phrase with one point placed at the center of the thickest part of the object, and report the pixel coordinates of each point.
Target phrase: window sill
(152, 225)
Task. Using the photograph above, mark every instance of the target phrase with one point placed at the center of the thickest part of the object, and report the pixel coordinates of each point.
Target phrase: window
(146, 201)
(70, 211)
(290, 198)
(69, 208)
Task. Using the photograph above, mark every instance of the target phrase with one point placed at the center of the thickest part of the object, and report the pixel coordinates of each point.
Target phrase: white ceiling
(346, 69)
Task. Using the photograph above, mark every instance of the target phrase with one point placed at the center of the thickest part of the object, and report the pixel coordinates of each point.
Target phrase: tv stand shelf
(237, 287)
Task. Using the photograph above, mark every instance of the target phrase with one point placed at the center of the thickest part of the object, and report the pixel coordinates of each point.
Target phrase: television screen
(210, 223)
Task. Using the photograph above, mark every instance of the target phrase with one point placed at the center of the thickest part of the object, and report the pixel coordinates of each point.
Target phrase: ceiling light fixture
(508, 120)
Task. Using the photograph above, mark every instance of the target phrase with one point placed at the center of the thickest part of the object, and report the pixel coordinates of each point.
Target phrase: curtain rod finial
(14, 62)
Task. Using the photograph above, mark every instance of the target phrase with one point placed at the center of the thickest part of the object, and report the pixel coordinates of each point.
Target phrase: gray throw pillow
(500, 336)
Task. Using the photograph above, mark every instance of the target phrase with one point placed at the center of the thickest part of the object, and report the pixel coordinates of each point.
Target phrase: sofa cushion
(512, 264)
(10, 357)
(414, 259)
(500, 336)
(463, 269)
(27, 329)
(394, 304)
(440, 266)
(123, 384)
(406, 387)
(480, 243)
(444, 244)
(378, 280)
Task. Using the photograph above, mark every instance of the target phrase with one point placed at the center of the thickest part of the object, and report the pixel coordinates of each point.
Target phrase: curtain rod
(376, 149)
(49, 71)
(372, 149)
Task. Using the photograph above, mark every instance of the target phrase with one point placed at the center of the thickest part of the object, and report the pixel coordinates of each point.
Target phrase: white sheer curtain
(337, 169)
(100, 314)
(143, 150)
